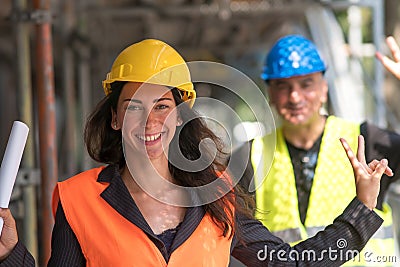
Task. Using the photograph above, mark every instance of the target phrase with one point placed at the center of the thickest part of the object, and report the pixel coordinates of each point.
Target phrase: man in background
(309, 182)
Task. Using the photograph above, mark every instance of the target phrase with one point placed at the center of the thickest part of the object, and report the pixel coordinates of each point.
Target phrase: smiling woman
(148, 116)
(140, 209)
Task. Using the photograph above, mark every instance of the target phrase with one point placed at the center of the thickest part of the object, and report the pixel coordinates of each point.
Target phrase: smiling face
(298, 99)
(148, 117)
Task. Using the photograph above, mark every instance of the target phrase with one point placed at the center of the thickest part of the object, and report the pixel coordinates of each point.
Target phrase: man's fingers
(389, 64)
(394, 48)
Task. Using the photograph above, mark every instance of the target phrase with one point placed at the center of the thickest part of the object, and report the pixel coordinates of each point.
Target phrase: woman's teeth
(149, 137)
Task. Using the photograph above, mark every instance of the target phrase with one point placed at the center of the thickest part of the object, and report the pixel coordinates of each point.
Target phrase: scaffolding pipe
(378, 36)
(85, 93)
(47, 123)
(85, 98)
(24, 93)
(69, 99)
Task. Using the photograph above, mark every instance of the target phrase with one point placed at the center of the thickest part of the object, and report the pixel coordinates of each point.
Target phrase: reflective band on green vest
(384, 233)
(294, 235)
(332, 190)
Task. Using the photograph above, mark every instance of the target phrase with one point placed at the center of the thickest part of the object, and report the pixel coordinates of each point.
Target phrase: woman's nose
(149, 118)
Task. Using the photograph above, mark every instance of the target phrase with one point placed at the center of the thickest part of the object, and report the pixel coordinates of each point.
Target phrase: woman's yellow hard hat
(152, 61)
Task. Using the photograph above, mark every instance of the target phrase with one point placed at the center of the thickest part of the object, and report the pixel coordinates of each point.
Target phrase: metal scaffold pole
(24, 92)
(47, 122)
(69, 166)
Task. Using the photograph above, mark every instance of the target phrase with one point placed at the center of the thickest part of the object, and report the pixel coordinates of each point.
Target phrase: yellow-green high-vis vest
(332, 190)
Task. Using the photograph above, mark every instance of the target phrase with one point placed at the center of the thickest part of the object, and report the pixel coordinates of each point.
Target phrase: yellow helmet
(152, 61)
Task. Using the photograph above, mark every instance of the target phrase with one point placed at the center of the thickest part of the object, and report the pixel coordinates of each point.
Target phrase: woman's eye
(133, 107)
(161, 106)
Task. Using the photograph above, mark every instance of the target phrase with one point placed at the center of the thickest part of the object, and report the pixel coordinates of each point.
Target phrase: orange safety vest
(108, 239)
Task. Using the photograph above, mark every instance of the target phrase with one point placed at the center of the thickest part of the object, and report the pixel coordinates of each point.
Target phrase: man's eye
(307, 85)
(281, 87)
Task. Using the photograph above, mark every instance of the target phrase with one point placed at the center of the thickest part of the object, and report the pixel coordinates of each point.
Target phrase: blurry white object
(246, 131)
(10, 164)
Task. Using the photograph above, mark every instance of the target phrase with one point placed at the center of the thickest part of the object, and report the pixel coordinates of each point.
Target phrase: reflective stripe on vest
(108, 239)
(332, 190)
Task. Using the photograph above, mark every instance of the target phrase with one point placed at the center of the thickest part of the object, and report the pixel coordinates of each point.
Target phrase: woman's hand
(9, 236)
(391, 65)
(367, 176)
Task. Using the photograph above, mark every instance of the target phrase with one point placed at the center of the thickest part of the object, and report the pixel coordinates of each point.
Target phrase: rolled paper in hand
(10, 164)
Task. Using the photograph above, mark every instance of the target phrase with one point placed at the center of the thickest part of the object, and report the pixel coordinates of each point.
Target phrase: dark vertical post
(47, 123)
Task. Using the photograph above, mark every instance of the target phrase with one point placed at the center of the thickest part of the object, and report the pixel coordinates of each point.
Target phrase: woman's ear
(179, 121)
(114, 120)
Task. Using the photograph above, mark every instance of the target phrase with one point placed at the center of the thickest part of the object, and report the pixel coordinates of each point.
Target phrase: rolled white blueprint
(10, 164)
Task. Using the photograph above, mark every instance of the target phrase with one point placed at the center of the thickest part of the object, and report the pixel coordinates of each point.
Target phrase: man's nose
(295, 93)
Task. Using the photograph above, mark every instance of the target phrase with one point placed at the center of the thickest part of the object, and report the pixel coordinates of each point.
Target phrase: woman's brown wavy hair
(104, 145)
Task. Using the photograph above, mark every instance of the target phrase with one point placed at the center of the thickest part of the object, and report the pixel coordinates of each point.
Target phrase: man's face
(298, 99)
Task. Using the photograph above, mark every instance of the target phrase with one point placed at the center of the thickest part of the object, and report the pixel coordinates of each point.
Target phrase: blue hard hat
(292, 55)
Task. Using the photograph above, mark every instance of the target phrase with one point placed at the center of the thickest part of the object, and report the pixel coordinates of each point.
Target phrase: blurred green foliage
(366, 17)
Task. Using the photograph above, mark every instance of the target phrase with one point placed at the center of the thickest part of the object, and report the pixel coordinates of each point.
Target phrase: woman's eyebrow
(161, 99)
(154, 101)
(132, 100)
